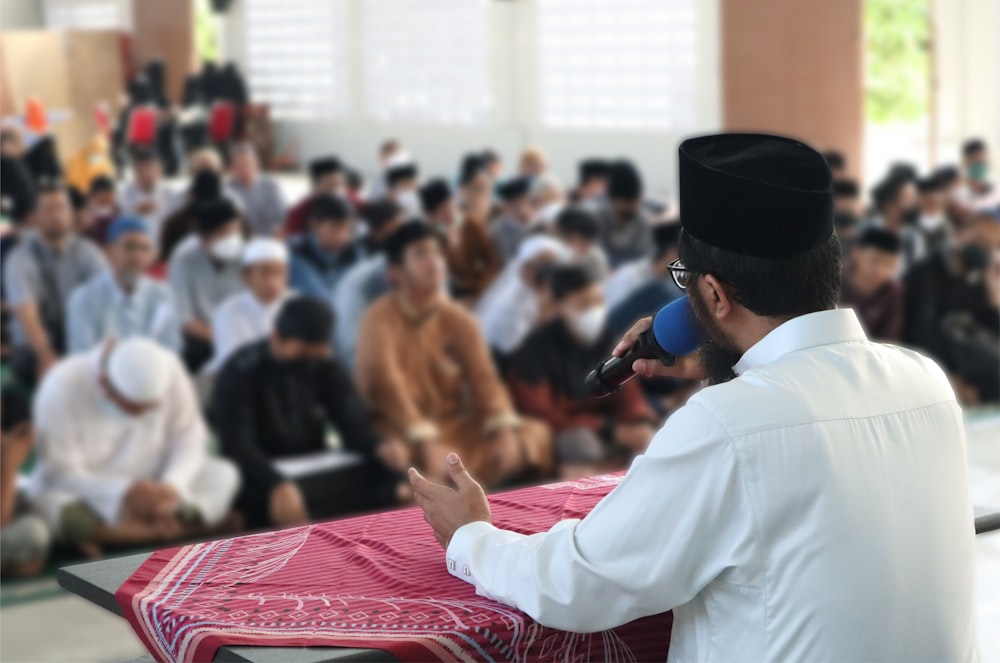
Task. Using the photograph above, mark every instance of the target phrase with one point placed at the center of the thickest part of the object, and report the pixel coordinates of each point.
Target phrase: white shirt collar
(805, 331)
(119, 296)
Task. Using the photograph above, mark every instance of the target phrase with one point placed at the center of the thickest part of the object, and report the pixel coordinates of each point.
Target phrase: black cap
(878, 238)
(624, 181)
(593, 168)
(564, 280)
(398, 173)
(324, 166)
(329, 208)
(846, 188)
(194, 135)
(755, 194)
(434, 194)
(409, 233)
(213, 214)
(514, 188)
(305, 319)
(378, 213)
(578, 221)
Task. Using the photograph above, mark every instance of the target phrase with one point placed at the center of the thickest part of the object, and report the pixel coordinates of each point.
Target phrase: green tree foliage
(897, 60)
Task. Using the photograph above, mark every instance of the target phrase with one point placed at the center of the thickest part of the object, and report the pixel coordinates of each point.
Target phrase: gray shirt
(263, 204)
(507, 233)
(200, 283)
(625, 241)
(100, 308)
(36, 273)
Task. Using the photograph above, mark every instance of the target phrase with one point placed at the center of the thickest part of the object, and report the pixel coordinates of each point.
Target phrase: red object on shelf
(221, 122)
(142, 126)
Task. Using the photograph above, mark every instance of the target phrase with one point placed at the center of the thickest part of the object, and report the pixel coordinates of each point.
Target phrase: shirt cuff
(459, 553)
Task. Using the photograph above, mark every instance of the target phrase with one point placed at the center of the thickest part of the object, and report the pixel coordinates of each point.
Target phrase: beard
(718, 353)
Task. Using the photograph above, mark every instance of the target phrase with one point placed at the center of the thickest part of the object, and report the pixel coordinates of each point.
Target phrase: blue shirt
(362, 285)
(315, 272)
(99, 308)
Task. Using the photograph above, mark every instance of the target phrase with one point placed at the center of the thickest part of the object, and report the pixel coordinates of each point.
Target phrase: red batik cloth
(375, 582)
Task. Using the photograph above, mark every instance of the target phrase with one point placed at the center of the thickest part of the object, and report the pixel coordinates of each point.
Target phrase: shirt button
(465, 570)
(451, 565)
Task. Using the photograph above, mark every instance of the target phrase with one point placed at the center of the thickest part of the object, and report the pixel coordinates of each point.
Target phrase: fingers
(422, 487)
(631, 336)
(461, 476)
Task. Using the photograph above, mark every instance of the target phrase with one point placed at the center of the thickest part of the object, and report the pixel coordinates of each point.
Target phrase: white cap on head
(535, 245)
(264, 249)
(139, 369)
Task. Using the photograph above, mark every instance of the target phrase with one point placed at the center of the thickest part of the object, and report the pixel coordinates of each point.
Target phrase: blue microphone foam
(675, 328)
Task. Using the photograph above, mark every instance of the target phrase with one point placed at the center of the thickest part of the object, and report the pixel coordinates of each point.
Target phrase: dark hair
(329, 208)
(354, 179)
(305, 319)
(624, 181)
(972, 146)
(880, 239)
(378, 213)
(888, 190)
(579, 222)
(489, 156)
(144, 155)
(411, 232)
(772, 287)
(564, 280)
(101, 184)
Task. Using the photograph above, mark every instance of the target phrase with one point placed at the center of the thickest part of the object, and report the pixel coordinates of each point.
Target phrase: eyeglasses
(682, 275)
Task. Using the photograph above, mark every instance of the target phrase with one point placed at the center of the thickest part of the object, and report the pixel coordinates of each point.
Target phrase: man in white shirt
(146, 195)
(248, 315)
(123, 450)
(811, 504)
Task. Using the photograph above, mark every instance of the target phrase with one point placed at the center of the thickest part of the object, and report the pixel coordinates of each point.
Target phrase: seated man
(869, 284)
(514, 222)
(656, 290)
(123, 301)
(427, 376)
(102, 208)
(516, 302)
(592, 183)
(402, 179)
(366, 281)
(327, 249)
(248, 315)
(547, 380)
(473, 261)
(259, 193)
(327, 178)
(204, 273)
(147, 195)
(276, 399)
(39, 276)
(24, 536)
(580, 231)
(933, 221)
(123, 451)
(625, 224)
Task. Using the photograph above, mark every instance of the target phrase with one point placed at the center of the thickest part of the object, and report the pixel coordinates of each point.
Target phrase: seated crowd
(207, 360)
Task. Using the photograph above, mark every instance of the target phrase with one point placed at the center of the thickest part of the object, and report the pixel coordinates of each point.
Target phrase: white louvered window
(87, 14)
(626, 64)
(296, 54)
(427, 62)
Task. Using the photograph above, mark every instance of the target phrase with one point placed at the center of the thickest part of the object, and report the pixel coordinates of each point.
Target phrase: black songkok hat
(881, 239)
(846, 188)
(213, 214)
(434, 194)
(754, 194)
(624, 181)
(305, 319)
(404, 171)
(324, 166)
(514, 188)
(42, 161)
(592, 168)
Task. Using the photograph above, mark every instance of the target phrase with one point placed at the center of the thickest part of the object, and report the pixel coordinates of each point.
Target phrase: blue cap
(126, 224)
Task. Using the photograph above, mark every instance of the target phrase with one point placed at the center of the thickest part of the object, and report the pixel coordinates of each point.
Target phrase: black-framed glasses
(682, 275)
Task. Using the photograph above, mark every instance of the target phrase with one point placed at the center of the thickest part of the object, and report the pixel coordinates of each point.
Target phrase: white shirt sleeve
(677, 521)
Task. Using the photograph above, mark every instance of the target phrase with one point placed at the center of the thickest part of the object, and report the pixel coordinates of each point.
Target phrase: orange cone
(35, 118)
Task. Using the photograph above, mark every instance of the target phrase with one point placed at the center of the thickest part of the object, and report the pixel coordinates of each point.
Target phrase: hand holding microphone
(662, 345)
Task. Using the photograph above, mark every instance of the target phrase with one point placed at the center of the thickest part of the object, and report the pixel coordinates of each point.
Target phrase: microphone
(674, 333)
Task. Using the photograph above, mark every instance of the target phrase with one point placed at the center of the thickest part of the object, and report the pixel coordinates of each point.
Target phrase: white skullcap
(264, 249)
(139, 369)
(535, 245)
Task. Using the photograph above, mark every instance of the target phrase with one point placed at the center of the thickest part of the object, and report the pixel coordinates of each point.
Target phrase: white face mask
(588, 325)
(547, 215)
(409, 200)
(931, 222)
(228, 248)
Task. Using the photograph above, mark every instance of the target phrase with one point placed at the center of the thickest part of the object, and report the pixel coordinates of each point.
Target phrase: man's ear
(716, 296)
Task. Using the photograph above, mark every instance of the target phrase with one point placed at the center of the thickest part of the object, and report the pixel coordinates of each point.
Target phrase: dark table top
(98, 581)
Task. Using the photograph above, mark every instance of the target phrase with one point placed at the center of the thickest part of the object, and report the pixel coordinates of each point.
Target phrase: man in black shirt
(276, 399)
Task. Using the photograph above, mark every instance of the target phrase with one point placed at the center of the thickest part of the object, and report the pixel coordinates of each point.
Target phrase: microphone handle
(612, 374)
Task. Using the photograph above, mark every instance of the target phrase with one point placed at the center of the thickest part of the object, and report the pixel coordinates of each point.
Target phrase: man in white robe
(249, 315)
(811, 504)
(122, 450)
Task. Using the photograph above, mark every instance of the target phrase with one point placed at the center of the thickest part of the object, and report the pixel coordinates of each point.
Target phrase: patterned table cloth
(375, 581)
